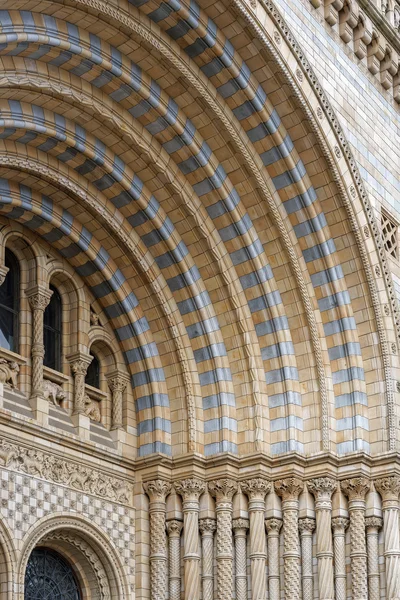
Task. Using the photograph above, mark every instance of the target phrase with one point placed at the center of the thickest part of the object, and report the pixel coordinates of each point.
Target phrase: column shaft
(117, 385)
(174, 537)
(240, 527)
(373, 524)
(38, 302)
(157, 491)
(339, 525)
(273, 527)
(207, 528)
(389, 489)
(306, 527)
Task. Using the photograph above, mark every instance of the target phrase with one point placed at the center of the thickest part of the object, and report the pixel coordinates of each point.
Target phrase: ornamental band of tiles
(199, 300)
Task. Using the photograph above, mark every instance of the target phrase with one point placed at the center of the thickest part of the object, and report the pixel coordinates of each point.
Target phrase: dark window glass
(52, 332)
(49, 575)
(93, 373)
(9, 304)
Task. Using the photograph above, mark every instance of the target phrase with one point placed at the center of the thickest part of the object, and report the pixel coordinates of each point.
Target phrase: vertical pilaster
(38, 299)
(174, 529)
(256, 490)
(157, 491)
(289, 489)
(207, 528)
(355, 489)
(117, 384)
(306, 528)
(273, 527)
(339, 526)
(240, 527)
(191, 490)
(322, 489)
(373, 524)
(223, 490)
(389, 488)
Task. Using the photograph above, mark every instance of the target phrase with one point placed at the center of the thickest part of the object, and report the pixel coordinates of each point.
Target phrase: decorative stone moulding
(372, 30)
(49, 467)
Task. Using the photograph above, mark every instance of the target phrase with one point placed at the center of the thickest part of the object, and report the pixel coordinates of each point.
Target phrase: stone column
(191, 490)
(79, 365)
(157, 491)
(373, 524)
(289, 489)
(339, 525)
(306, 527)
(207, 528)
(174, 529)
(322, 490)
(273, 527)
(38, 299)
(223, 490)
(240, 527)
(355, 489)
(389, 488)
(256, 490)
(117, 384)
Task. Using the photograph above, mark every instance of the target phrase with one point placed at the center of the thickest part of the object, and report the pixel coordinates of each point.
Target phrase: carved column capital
(340, 523)
(207, 526)
(157, 490)
(80, 366)
(389, 488)
(306, 525)
(117, 382)
(256, 489)
(273, 525)
(373, 523)
(190, 489)
(38, 297)
(288, 489)
(238, 524)
(322, 488)
(356, 488)
(223, 489)
(174, 528)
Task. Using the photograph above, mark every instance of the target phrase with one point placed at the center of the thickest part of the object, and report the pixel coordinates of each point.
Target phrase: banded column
(306, 528)
(339, 525)
(207, 528)
(157, 491)
(373, 524)
(355, 489)
(322, 489)
(240, 527)
(191, 490)
(117, 384)
(38, 299)
(79, 365)
(273, 527)
(389, 489)
(174, 529)
(289, 489)
(223, 490)
(256, 490)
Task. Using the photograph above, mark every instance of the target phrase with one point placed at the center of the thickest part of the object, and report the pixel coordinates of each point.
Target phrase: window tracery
(49, 576)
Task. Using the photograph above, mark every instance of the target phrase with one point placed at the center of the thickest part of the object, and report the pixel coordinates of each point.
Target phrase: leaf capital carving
(322, 487)
(191, 488)
(223, 489)
(388, 487)
(289, 489)
(157, 490)
(356, 488)
(256, 488)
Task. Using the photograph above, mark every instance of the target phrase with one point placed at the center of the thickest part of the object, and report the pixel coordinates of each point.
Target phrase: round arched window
(50, 577)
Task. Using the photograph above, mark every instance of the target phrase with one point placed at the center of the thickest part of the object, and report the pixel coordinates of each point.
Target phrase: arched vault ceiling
(189, 192)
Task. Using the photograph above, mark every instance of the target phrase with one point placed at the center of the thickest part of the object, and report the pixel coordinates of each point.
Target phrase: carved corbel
(331, 11)
(389, 67)
(348, 20)
(376, 52)
(362, 35)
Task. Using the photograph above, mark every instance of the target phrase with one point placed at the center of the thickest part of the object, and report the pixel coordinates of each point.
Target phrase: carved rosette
(339, 526)
(256, 489)
(207, 529)
(289, 489)
(240, 527)
(389, 488)
(223, 490)
(191, 490)
(273, 527)
(356, 489)
(174, 529)
(322, 489)
(306, 528)
(157, 491)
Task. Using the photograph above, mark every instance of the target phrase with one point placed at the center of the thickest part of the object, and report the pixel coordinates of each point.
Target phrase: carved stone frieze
(49, 467)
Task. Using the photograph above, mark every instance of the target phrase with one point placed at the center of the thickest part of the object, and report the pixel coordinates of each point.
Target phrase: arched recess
(8, 561)
(95, 560)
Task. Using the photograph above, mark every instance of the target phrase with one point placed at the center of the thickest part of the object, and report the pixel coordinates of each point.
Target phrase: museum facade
(199, 300)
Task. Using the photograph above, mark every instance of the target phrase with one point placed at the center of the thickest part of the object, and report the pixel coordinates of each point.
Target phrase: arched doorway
(49, 576)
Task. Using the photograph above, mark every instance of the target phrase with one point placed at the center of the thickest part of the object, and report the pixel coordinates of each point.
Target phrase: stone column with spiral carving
(207, 528)
(79, 365)
(240, 527)
(389, 488)
(191, 490)
(289, 489)
(174, 529)
(339, 526)
(223, 490)
(38, 300)
(373, 524)
(117, 384)
(322, 489)
(256, 490)
(306, 528)
(157, 491)
(273, 527)
(355, 489)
